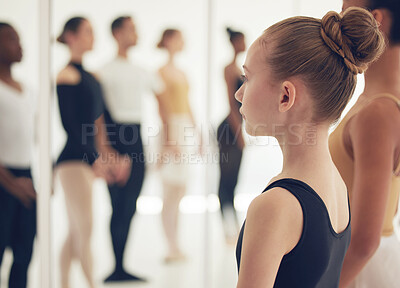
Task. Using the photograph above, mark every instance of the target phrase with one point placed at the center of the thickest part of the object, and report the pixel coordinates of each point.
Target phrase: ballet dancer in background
(125, 85)
(17, 194)
(366, 149)
(176, 115)
(230, 140)
(81, 109)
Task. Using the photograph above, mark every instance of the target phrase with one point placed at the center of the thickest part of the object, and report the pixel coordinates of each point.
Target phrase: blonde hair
(327, 54)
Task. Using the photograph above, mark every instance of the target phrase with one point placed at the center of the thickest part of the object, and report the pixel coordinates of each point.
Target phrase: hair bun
(355, 36)
(61, 38)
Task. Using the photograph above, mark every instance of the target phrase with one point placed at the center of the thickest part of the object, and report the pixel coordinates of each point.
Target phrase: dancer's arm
(161, 96)
(273, 228)
(20, 187)
(372, 135)
(161, 108)
(110, 165)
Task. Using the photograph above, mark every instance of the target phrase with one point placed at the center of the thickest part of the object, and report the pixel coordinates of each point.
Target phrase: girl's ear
(287, 96)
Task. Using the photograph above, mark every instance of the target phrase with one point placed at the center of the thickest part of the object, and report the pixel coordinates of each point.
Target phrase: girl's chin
(249, 129)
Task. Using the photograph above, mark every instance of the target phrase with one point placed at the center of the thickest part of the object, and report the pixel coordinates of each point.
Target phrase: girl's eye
(243, 78)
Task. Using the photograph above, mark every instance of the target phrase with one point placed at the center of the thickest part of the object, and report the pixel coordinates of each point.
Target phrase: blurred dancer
(230, 140)
(177, 117)
(17, 194)
(125, 86)
(366, 149)
(81, 107)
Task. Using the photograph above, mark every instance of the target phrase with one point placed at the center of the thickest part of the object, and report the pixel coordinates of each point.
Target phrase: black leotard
(317, 259)
(80, 105)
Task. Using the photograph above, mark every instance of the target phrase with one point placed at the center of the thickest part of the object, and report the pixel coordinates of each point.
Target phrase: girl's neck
(304, 148)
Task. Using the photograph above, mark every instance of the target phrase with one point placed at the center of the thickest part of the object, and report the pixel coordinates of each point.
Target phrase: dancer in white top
(17, 194)
(125, 85)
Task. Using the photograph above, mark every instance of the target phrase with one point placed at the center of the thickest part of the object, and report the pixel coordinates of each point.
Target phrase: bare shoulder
(273, 228)
(379, 118)
(231, 71)
(96, 75)
(274, 202)
(274, 222)
(228, 69)
(373, 136)
(163, 72)
(277, 212)
(68, 76)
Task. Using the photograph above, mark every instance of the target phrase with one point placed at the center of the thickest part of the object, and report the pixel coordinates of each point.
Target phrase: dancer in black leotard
(231, 141)
(300, 74)
(315, 247)
(81, 107)
(17, 194)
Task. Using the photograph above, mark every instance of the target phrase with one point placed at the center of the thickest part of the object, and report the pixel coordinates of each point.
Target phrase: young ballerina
(366, 149)
(81, 109)
(177, 116)
(230, 140)
(300, 74)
